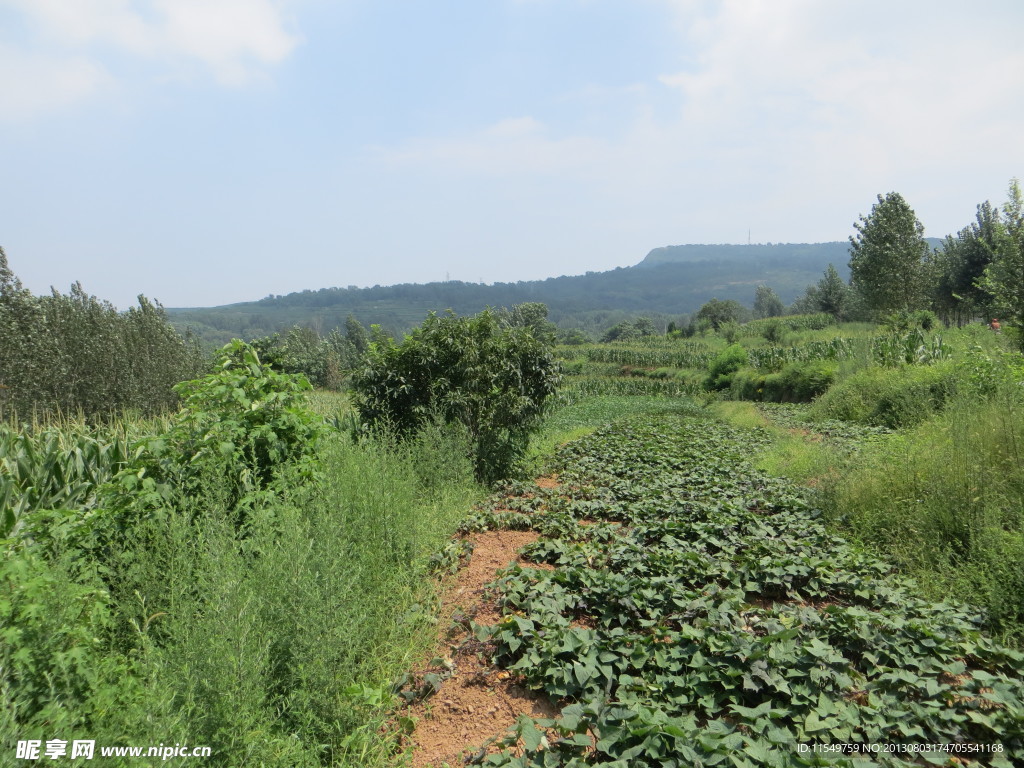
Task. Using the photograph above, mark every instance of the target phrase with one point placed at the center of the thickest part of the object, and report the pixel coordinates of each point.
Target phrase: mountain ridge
(668, 283)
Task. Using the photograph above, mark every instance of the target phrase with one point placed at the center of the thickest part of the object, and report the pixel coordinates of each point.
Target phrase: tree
(833, 294)
(888, 255)
(492, 378)
(719, 312)
(1004, 276)
(961, 265)
(628, 330)
(532, 315)
(356, 335)
(767, 303)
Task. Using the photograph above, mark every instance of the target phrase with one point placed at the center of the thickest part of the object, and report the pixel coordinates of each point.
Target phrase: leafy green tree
(767, 303)
(961, 263)
(888, 256)
(833, 294)
(1004, 276)
(574, 337)
(75, 353)
(628, 330)
(356, 335)
(717, 313)
(532, 315)
(493, 378)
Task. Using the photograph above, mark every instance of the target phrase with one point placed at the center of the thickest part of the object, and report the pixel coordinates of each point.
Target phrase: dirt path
(475, 702)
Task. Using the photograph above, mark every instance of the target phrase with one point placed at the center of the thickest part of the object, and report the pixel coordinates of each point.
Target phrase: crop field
(686, 609)
(715, 571)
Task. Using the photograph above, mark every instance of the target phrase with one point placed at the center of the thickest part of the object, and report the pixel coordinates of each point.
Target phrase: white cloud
(787, 105)
(30, 85)
(64, 59)
(226, 34)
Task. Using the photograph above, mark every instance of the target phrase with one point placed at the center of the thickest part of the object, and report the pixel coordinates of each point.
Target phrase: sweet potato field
(699, 614)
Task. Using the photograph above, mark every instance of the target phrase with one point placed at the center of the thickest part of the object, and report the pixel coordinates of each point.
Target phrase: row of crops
(698, 613)
(887, 349)
(57, 468)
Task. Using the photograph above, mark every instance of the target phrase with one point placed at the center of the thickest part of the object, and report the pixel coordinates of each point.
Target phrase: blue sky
(205, 152)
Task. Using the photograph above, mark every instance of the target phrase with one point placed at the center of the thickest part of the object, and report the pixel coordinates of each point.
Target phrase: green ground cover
(704, 614)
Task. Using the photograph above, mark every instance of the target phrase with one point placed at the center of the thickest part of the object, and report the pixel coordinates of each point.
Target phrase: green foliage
(675, 354)
(961, 265)
(833, 294)
(272, 635)
(57, 674)
(730, 332)
(630, 330)
(903, 321)
(798, 382)
(705, 616)
(887, 256)
(890, 397)
(944, 502)
(239, 430)
(1004, 275)
(718, 313)
(773, 331)
(725, 364)
(56, 469)
(532, 315)
(493, 378)
(811, 322)
(75, 354)
(767, 303)
(325, 360)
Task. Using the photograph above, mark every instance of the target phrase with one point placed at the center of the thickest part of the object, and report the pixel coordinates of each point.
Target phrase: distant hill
(836, 252)
(670, 282)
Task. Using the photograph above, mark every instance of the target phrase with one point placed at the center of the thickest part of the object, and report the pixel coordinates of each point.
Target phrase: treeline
(978, 273)
(75, 354)
(592, 303)
(327, 361)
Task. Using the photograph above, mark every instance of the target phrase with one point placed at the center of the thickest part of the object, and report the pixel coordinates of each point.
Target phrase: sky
(206, 152)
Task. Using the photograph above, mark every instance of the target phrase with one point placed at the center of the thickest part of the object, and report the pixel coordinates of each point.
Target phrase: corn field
(56, 468)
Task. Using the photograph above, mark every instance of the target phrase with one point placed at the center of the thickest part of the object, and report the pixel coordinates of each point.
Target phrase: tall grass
(274, 642)
(944, 501)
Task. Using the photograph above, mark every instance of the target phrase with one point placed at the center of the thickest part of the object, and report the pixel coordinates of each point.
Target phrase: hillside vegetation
(668, 283)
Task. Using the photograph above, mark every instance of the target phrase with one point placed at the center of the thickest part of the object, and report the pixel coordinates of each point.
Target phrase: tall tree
(962, 261)
(1004, 276)
(767, 303)
(833, 294)
(888, 256)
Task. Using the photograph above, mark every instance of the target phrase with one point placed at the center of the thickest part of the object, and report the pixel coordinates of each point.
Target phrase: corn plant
(55, 468)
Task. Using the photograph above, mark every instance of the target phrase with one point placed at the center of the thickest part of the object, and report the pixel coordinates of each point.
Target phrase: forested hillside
(668, 283)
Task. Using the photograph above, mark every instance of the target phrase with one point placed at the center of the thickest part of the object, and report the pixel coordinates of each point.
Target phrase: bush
(492, 378)
(905, 320)
(237, 431)
(889, 397)
(722, 368)
(795, 383)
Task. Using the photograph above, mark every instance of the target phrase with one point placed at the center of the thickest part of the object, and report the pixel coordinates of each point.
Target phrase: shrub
(238, 430)
(795, 383)
(725, 364)
(889, 397)
(773, 330)
(492, 378)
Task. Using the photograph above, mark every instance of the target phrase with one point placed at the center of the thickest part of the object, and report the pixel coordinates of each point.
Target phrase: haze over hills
(668, 283)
